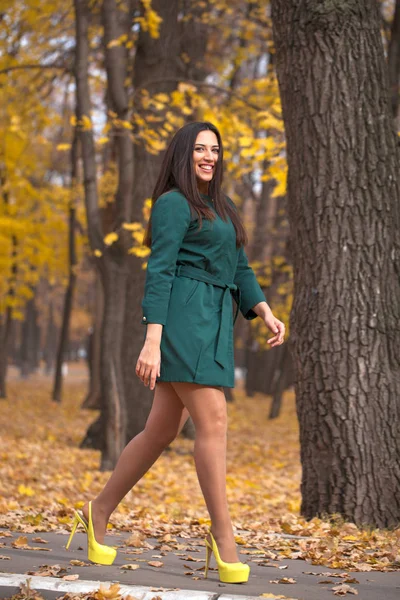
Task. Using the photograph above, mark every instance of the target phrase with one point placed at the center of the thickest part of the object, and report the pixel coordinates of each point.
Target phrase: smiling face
(205, 156)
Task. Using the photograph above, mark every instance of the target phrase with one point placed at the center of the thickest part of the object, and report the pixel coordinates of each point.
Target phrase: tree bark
(111, 262)
(5, 328)
(343, 208)
(114, 278)
(6, 320)
(51, 339)
(29, 340)
(69, 294)
(93, 399)
(394, 60)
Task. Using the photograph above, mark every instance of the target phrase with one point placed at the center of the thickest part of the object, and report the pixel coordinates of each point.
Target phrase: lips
(206, 168)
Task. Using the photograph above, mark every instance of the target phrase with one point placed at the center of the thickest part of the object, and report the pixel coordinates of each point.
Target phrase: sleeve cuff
(153, 318)
(248, 303)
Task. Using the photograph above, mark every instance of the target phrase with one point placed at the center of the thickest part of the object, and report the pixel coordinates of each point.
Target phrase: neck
(202, 186)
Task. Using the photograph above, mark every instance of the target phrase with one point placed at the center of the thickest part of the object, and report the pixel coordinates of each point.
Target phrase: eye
(216, 150)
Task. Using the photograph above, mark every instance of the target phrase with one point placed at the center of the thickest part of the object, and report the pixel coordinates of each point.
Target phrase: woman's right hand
(149, 362)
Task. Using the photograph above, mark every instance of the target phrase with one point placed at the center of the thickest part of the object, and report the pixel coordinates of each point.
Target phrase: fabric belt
(221, 352)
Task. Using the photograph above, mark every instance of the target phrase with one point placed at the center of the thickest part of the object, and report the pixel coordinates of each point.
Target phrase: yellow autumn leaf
(20, 542)
(186, 87)
(118, 41)
(25, 490)
(247, 153)
(63, 147)
(245, 140)
(108, 593)
(140, 252)
(239, 540)
(161, 98)
(274, 596)
(97, 253)
(110, 238)
(135, 226)
(86, 123)
(138, 236)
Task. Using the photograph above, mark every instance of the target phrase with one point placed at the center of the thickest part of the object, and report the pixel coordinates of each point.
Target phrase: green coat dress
(191, 277)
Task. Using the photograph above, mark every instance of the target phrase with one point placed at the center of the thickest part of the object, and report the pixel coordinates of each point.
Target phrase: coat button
(144, 319)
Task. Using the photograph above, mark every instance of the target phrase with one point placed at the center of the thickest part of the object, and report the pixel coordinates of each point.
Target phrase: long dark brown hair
(177, 171)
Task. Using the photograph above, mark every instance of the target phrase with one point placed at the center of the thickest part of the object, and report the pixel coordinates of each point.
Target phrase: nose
(209, 155)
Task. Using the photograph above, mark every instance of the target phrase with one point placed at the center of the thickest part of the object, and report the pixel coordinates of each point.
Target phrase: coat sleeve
(250, 290)
(170, 220)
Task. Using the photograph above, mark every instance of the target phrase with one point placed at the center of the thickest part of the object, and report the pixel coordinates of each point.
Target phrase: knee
(214, 425)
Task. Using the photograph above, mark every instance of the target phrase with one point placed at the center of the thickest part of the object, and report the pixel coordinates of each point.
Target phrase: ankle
(99, 510)
(222, 533)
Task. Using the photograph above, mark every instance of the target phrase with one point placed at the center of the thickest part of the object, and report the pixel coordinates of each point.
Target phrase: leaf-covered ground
(44, 475)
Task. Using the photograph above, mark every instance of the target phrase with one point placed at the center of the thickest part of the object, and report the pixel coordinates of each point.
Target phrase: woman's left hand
(277, 327)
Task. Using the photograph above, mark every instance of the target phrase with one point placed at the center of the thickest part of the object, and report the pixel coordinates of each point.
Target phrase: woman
(197, 263)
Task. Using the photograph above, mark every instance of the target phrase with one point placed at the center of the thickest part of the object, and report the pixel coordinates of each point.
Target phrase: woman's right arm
(169, 223)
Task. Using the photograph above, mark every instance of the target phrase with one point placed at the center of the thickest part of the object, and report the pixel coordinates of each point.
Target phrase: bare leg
(207, 407)
(166, 419)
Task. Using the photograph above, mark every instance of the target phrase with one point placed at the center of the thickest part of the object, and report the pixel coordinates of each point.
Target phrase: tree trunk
(394, 60)
(343, 208)
(155, 59)
(6, 322)
(29, 346)
(93, 399)
(5, 327)
(111, 260)
(260, 250)
(69, 294)
(51, 340)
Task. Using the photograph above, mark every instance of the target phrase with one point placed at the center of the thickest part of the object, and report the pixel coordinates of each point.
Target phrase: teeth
(205, 168)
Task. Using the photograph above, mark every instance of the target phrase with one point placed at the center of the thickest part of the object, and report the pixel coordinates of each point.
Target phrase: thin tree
(111, 259)
(72, 262)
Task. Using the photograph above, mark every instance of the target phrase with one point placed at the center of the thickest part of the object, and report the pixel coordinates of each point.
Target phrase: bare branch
(65, 68)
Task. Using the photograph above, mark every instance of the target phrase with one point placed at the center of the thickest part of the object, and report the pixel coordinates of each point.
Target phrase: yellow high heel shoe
(98, 553)
(237, 572)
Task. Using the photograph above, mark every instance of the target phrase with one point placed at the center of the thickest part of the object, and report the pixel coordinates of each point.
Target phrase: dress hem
(175, 380)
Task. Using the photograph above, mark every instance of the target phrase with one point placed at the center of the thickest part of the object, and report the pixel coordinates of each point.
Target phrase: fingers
(147, 373)
(279, 338)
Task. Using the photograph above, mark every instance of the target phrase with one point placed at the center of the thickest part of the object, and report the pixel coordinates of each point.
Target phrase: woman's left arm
(263, 310)
(253, 302)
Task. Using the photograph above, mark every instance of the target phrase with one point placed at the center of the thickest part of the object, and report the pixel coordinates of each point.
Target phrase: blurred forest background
(91, 92)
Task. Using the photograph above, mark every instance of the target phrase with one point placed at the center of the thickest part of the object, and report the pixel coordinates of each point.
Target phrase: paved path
(147, 582)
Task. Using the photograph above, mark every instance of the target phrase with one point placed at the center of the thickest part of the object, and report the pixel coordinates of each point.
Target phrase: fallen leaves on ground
(343, 589)
(49, 571)
(45, 475)
(22, 542)
(27, 593)
(155, 563)
(104, 592)
(269, 595)
(283, 580)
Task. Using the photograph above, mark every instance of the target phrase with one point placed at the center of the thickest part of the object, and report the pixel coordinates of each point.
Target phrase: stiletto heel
(208, 556)
(237, 572)
(97, 553)
(74, 526)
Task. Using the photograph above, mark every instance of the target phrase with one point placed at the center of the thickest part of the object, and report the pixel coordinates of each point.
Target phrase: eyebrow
(204, 145)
